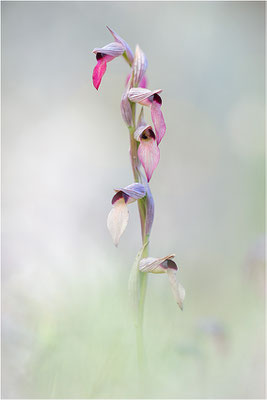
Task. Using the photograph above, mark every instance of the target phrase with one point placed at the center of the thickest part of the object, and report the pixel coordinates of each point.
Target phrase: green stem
(142, 276)
(139, 331)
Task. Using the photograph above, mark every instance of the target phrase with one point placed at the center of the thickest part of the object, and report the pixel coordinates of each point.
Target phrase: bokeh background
(66, 327)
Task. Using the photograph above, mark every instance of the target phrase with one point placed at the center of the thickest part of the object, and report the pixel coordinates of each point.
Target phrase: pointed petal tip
(158, 121)
(149, 155)
(117, 220)
(99, 72)
(96, 84)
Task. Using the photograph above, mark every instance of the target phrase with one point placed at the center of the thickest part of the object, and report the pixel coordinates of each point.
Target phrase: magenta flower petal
(157, 118)
(148, 152)
(99, 71)
(143, 82)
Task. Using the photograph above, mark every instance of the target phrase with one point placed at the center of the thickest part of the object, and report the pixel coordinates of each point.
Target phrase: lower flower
(165, 265)
(119, 214)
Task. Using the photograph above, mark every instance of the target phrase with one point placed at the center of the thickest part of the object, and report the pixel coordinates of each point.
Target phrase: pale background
(66, 327)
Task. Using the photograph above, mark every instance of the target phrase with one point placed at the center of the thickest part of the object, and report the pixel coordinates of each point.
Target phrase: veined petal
(143, 82)
(139, 66)
(127, 48)
(158, 119)
(114, 49)
(127, 79)
(154, 265)
(148, 152)
(134, 191)
(161, 265)
(118, 220)
(177, 289)
(99, 71)
(141, 119)
(149, 210)
(141, 95)
(126, 110)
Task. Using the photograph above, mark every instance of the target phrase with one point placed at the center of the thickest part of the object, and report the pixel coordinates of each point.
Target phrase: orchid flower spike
(119, 214)
(167, 265)
(148, 151)
(108, 53)
(151, 99)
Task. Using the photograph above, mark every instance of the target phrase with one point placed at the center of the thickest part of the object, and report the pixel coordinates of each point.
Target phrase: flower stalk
(145, 238)
(144, 154)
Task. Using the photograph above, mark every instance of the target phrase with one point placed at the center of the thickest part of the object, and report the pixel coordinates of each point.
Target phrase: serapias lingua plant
(144, 153)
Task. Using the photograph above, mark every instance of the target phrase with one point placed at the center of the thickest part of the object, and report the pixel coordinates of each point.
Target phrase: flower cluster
(135, 92)
(145, 139)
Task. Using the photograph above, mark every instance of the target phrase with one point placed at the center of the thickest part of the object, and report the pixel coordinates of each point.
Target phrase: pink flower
(108, 53)
(151, 99)
(148, 151)
(104, 55)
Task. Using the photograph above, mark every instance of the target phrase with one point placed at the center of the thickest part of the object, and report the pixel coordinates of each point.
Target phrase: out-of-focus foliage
(66, 327)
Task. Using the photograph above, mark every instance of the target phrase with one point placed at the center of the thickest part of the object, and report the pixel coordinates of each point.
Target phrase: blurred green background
(66, 327)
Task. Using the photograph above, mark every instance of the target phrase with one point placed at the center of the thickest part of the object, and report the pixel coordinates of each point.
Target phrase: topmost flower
(108, 53)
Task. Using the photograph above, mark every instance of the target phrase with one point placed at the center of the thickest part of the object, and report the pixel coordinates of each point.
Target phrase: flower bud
(139, 66)
(126, 110)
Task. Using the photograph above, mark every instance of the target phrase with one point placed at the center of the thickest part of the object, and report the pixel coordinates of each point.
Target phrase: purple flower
(165, 265)
(119, 214)
(148, 151)
(151, 99)
(108, 53)
(149, 209)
